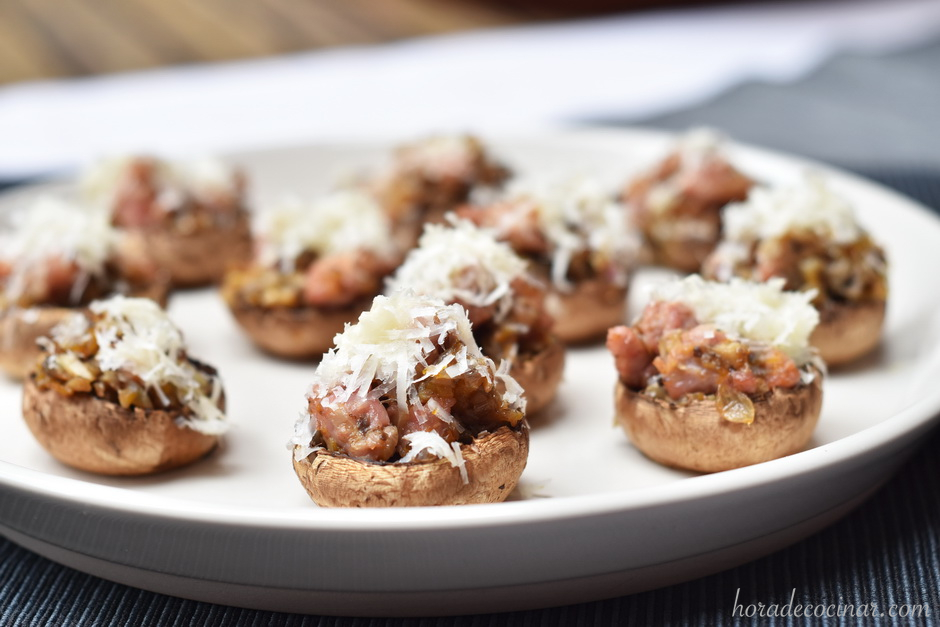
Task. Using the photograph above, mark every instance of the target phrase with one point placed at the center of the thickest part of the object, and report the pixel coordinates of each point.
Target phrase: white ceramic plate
(592, 517)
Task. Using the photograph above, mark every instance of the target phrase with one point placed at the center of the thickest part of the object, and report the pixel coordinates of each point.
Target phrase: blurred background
(49, 38)
(846, 81)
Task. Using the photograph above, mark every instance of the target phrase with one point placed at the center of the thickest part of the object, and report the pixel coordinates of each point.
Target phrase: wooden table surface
(57, 38)
(54, 38)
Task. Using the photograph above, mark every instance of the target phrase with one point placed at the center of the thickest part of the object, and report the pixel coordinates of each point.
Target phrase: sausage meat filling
(668, 354)
(145, 198)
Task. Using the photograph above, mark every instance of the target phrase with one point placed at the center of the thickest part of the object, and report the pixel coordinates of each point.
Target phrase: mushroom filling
(126, 351)
(851, 272)
(435, 175)
(373, 426)
(687, 188)
(60, 282)
(333, 280)
(465, 265)
(61, 254)
(524, 330)
(142, 192)
(329, 252)
(570, 232)
(668, 354)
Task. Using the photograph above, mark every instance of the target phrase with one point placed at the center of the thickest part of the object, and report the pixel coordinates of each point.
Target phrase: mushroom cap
(19, 330)
(200, 257)
(693, 436)
(685, 255)
(583, 314)
(847, 331)
(97, 435)
(493, 461)
(296, 332)
(540, 374)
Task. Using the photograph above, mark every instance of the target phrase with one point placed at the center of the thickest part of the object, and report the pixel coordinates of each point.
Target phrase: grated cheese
(431, 442)
(340, 221)
(774, 212)
(759, 312)
(461, 263)
(135, 335)
(52, 228)
(204, 178)
(577, 215)
(695, 148)
(439, 157)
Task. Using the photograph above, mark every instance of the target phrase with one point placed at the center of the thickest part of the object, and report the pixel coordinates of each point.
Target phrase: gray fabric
(857, 111)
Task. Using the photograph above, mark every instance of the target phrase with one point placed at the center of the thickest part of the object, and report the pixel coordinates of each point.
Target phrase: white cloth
(510, 79)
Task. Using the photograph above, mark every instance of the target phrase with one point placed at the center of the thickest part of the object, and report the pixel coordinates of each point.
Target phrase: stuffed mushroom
(427, 178)
(117, 394)
(406, 411)
(317, 266)
(58, 257)
(190, 216)
(677, 205)
(808, 236)
(576, 239)
(717, 376)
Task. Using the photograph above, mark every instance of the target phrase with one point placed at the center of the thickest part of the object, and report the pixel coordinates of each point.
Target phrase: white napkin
(511, 79)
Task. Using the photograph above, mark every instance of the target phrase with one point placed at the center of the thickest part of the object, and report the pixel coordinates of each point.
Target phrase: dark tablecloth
(877, 115)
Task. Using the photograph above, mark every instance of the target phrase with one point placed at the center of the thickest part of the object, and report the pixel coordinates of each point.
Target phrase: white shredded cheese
(775, 212)
(439, 157)
(137, 336)
(432, 442)
(395, 343)
(696, 147)
(461, 263)
(577, 215)
(53, 229)
(340, 221)
(759, 312)
(205, 178)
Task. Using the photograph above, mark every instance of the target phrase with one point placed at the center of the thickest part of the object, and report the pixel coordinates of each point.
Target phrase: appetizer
(316, 267)
(430, 177)
(505, 303)
(715, 376)
(406, 411)
(576, 239)
(116, 393)
(190, 217)
(809, 236)
(677, 205)
(57, 257)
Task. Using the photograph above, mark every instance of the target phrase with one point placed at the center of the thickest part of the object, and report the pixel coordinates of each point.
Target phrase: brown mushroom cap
(539, 374)
(686, 255)
(493, 461)
(847, 331)
(19, 330)
(296, 332)
(99, 436)
(584, 314)
(692, 435)
(201, 257)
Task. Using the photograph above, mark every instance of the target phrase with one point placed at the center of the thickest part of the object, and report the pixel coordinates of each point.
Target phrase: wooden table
(54, 38)
(57, 38)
